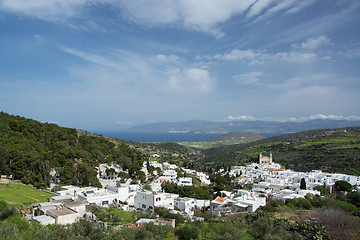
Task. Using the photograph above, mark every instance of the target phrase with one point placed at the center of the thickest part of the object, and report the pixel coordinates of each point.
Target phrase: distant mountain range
(198, 126)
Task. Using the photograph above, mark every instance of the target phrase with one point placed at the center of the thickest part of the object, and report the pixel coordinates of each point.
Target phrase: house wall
(66, 219)
(144, 201)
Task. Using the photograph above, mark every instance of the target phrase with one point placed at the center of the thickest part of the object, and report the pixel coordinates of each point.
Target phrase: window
(150, 207)
(143, 206)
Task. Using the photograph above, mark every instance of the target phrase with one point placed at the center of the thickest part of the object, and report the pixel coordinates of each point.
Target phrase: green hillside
(227, 139)
(331, 150)
(30, 149)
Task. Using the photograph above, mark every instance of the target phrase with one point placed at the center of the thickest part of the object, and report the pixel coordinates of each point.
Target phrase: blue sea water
(160, 137)
(167, 137)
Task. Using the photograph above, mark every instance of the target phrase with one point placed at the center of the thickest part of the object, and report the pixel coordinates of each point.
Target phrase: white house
(148, 200)
(100, 197)
(185, 204)
(185, 181)
(170, 173)
(59, 211)
(122, 192)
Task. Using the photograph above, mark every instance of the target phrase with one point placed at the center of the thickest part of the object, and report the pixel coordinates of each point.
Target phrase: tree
(303, 184)
(147, 187)
(343, 186)
(3, 157)
(187, 232)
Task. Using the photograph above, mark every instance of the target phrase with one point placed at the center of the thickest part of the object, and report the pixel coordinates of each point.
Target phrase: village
(268, 180)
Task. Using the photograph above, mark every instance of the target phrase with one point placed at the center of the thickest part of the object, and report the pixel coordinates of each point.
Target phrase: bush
(187, 232)
(348, 207)
(7, 212)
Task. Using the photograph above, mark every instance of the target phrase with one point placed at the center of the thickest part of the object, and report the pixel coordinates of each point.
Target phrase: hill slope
(29, 150)
(237, 137)
(332, 150)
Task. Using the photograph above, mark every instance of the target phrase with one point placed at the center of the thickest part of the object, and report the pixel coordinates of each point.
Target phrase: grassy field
(22, 194)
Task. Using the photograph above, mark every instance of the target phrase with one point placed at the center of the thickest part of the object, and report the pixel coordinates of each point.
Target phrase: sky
(106, 65)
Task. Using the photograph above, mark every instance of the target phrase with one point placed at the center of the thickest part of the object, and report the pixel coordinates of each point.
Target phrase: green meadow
(22, 194)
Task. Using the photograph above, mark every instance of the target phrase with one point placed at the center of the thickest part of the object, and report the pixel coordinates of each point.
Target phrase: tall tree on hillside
(3, 157)
(303, 184)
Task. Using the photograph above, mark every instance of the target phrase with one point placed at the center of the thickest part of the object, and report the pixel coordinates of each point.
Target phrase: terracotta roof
(220, 199)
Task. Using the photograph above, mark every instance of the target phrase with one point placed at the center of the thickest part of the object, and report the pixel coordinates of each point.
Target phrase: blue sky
(109, 64)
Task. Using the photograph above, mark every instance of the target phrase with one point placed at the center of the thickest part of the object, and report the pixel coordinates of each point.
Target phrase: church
(265, 159)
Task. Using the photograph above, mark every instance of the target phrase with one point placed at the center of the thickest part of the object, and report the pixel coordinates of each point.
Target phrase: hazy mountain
(198, 126)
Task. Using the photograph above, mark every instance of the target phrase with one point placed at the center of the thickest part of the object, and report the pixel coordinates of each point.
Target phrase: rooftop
(61, 212)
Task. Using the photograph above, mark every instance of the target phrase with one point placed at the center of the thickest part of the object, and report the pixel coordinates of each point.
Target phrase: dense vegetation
(331, 150)
(29, 150)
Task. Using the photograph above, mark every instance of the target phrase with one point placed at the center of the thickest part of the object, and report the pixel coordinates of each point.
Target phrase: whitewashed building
(185, 181)
(149, 200)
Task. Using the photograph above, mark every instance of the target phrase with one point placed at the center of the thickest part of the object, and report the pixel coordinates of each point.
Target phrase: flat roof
(61, 212)
(44, 218)
(70, 202)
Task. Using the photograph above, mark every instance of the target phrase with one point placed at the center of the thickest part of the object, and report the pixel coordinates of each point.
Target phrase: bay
(146, 137)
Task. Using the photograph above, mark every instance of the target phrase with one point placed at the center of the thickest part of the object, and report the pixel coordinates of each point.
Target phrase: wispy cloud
(312, 43)
(279, 6)
(126, 69)
(167, 58)
(261, 57)
(202, 15)
(248, 78)
(190, 80)
(258, 7)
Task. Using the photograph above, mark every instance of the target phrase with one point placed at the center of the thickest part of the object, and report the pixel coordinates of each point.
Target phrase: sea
(146, 137)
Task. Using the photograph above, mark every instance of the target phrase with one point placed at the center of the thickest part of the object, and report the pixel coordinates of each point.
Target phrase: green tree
(4, 155)
(303, 184)
(187, 232)
(343, 186)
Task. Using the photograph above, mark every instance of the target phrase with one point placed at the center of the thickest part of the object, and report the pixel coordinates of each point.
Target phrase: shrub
(187, 232)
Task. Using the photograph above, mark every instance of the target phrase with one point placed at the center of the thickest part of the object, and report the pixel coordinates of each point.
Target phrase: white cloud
(127, 71)
(330, 117)
(167, 58)
(248, 78)
(258, 7)
(260, 57)
(293, 119)
(237, 54)
(241, 118)
(295, 57)
(280, 5)
(44, 9)
(313, 43)
(305, 80)
(92, 58)
(200, 15)
(190, 80)
(300, 5)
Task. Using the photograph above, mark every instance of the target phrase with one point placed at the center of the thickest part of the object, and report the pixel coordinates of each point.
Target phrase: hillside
(29, 150)
(227, 139)
(237, 137)
(331, 150)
